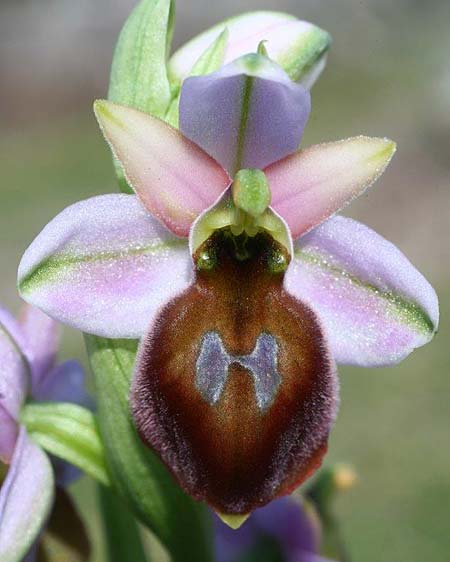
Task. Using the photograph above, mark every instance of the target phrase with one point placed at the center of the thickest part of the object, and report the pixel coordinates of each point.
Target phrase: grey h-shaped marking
(214, 361)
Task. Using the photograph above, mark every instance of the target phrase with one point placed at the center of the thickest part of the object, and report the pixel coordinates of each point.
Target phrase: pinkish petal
(313, 184)
(42, 335)
(247, 115)
(295, 45)
(26, 498)
(104, 266)
(14, 373)
(376, 307)
(172, 176)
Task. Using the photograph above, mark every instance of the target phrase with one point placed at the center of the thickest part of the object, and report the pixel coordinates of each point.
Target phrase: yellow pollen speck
(345, 477)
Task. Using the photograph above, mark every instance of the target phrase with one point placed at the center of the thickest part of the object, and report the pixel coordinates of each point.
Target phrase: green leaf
(69, 432)
(139, 72)
(210, 61)
(122, 537)
(181, 524)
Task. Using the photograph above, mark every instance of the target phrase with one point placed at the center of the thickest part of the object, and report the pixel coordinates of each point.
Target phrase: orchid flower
(243, 286)
(28, 369)
(285, 530)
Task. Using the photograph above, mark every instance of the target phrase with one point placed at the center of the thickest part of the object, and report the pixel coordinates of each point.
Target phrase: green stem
(181, 524)
(122, 537)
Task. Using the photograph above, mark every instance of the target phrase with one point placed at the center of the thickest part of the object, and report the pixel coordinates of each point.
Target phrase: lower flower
(27, 494)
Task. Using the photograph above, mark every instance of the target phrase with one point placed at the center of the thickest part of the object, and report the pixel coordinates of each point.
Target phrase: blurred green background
(388, 75)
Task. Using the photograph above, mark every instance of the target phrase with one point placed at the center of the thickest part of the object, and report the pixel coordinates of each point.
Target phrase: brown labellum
(234, 387)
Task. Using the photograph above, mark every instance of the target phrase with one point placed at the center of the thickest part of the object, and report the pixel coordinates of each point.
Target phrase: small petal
(238, 355)
(375, 306)
(313, 184)
(173, 177)
(247, 115)
(295, 45)
(14, 373)
(42, 334)
(26, 498)
(104, 266)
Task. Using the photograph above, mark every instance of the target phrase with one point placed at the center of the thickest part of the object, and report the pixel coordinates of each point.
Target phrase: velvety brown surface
(232, 454)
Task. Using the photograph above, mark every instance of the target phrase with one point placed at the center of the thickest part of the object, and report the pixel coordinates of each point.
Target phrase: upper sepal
(248, 114)
(234, 387)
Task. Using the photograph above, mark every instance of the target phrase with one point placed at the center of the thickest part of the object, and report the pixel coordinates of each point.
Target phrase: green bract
(210, 61)
(69, 432)
(139, 74)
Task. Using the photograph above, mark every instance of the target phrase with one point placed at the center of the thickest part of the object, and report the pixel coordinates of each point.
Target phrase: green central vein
(50, 268)
(408, 312)
(248, 87)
